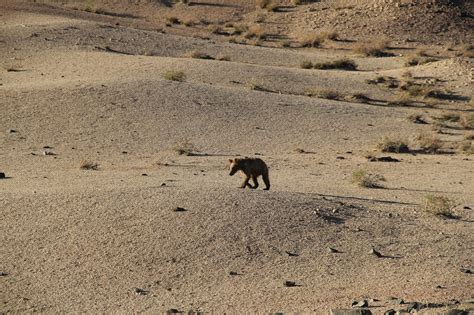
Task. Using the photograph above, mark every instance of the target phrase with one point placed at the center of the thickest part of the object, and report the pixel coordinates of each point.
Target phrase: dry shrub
(469, 136)
(222, 57)
(364, 179)
(311, 40)
(400, 100)
(324, 93)
(467, 121)
(416, 60)
(185, 147)
(373, 49)
(255, 31)
(200, 55)
(393, 145)
(467, 50)
(88, 165)
(305, 64)
(174, 75)
(173, 20)
(466, 146)
(342, 64)
(429, 143)
(214, 29)
(440, 206)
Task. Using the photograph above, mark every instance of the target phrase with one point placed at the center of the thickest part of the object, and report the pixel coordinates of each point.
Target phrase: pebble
(179, 209)
(289, 284)
(2, 175)
(363, 303)
(375, 253)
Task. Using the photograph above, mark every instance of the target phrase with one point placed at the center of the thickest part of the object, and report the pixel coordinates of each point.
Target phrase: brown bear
(251, 168)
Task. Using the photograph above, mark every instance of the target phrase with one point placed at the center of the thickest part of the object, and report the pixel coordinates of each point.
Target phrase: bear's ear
(231, 161)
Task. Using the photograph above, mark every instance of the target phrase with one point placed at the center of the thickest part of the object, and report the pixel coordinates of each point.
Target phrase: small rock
(3, 274)
(292, 254)
(390, 312)
(333, 250)
(233, 273)
(144, 174)
(289, 284)
(375, 253)
(48, 153)
(2, 175)
(465, 270)
(140, 291)
(11, 131)
(340, 158)
(179, 209)
(399, 301)
(173, 311)
(163, 184)
(363, 303)
(466, 208)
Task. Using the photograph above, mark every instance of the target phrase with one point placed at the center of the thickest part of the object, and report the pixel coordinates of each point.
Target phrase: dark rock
(173, 311)
(333, 250)
(163, 184)
(140, 291)
(3, 274)
(465, 270)
(233, 273)
(179, 209)
(340, 158)
(11, 131)
(363, 303)
(383, 159)
(415, 306)
(291, 254)
(390, 312)
(375, 253)
(466, 208)
(289, 284)
(2, 175)
(399, 301)
(351, 312)
(144, 174)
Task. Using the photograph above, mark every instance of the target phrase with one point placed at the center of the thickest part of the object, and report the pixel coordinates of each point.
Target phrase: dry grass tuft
(367, 180)
(400, 100)
(214, 29)
(222, 57)
(429, 143)
(440, 206)
(342, 64)
(467, 146)
(306, 64)
(173, 20)
(373, 49)
(467, 121)
(311, 40)
(185, 147)
(416, 60)
(324, 93)
(200, 55)
(88, 165)
(393, 145)
(255, 31)
(174, 75)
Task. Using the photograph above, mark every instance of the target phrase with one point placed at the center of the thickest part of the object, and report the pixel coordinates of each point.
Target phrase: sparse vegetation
(174, 75)
(185, 147)
(324, 93)
(400, 100)
(200, 55)
(393, 145)
(359, 97)
(343, 64)
(255, 31)
(373, 49)
(466, 146)
(222, 57)
(214, 29)
(311, 40)
(447, 117)
(306, 64)
(364, 179)
(429, 143)
(440, 206)
(416, 60)
(270, 5)
(173, 20)
(467, 121)
(467, 50)
(88, 165)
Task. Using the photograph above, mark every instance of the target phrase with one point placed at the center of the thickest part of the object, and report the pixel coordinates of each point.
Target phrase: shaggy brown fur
(251, 168)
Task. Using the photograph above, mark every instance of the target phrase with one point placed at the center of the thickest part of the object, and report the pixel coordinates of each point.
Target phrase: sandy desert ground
(81, 83)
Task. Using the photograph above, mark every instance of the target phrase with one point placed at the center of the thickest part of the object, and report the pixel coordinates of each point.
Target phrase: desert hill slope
(75, 87)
